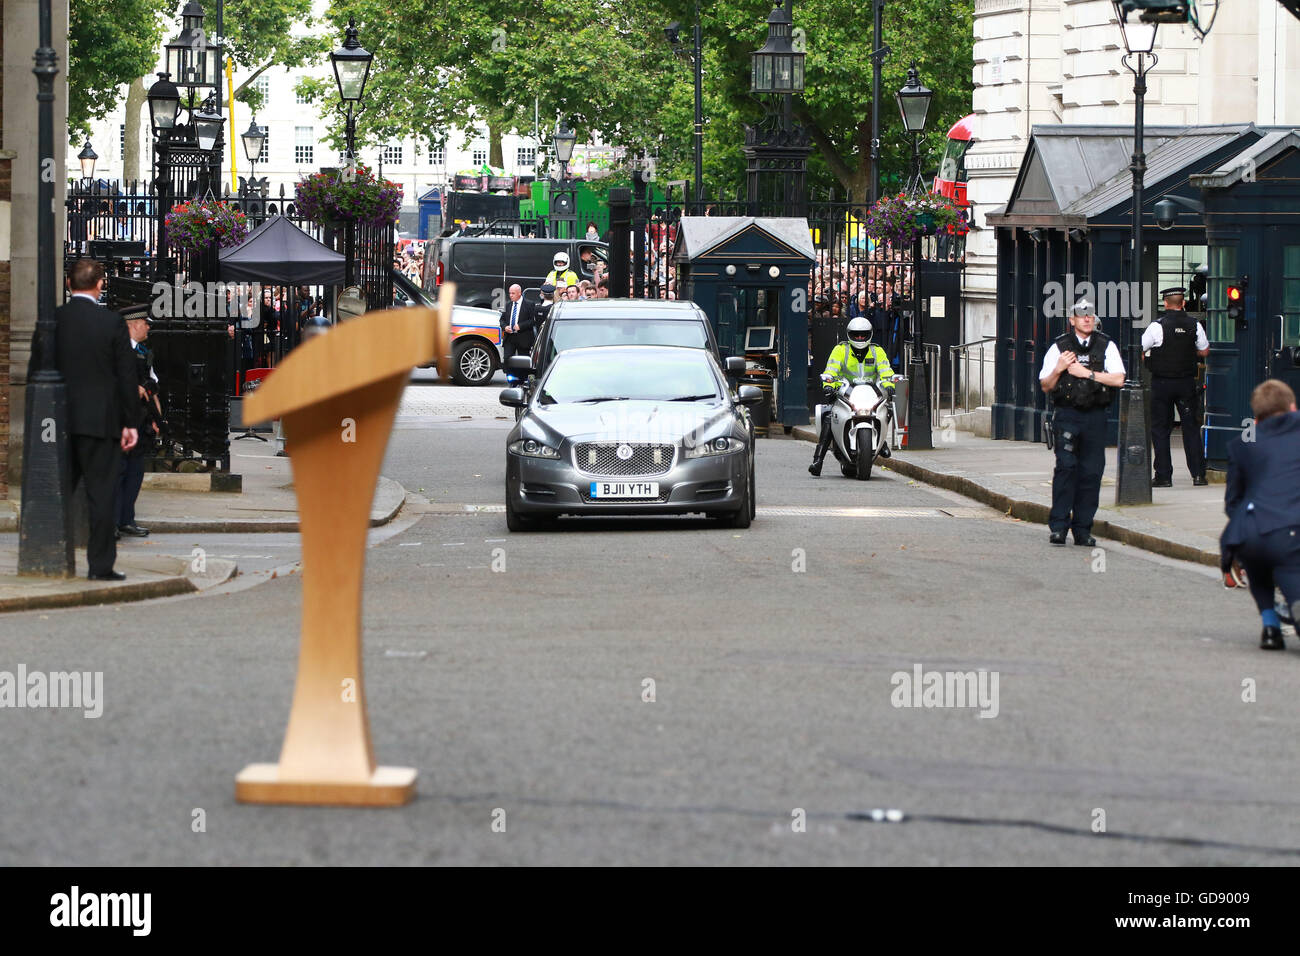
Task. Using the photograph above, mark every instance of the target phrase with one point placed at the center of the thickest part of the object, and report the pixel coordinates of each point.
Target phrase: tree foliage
(110, 44)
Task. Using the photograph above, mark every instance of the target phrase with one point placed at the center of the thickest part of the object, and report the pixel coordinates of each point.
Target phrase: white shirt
(1154, 337)
(1113, 362)
(85, 295)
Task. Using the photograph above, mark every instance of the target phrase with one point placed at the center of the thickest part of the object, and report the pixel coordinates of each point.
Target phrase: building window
(304, 144)
(121, 138)
(1177, 267)
(436, 156)
(1290, 295)
(478, 158)
(263, 86)
(265, 154)
(526, 156)
(300, 98)
(392, 155)
(1223, 272)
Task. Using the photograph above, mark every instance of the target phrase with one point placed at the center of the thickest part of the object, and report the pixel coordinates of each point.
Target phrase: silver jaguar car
(630, 429)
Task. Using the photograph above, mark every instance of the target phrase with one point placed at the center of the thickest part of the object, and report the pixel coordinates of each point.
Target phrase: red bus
(951, 181)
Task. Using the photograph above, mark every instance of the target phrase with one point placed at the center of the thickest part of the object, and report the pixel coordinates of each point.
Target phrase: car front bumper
(711, 485)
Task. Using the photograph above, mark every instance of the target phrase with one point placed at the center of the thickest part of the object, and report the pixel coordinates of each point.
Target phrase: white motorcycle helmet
(859, 336)
(561, 261)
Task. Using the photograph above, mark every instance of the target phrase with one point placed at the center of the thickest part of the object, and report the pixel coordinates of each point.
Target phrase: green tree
(110, 43)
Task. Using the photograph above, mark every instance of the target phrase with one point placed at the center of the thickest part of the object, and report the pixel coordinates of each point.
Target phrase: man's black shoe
(133, 531)
(1162, 482)
(1058, 537)
(1200, 480)
(1087, 541)
(1271, 639)
(815, 469)
(107, 576)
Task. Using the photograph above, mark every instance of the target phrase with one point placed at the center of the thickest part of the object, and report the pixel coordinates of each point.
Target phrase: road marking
(410, 544)
(823, 511)
(453, 544)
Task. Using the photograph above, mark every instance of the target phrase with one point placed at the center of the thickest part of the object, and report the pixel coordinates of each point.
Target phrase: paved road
(773, 653)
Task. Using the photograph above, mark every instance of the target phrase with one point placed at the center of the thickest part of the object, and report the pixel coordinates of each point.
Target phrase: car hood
(629, 421)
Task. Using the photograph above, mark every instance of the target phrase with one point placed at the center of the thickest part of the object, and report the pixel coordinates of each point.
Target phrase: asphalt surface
(772, 651)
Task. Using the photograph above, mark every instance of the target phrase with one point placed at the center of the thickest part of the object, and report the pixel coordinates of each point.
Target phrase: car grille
(601, 458)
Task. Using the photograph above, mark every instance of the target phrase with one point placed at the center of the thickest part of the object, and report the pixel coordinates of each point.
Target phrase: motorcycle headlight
(533, 449)
(715, 446)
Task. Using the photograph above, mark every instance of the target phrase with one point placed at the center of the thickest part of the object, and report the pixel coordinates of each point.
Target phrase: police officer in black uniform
(1172, 345)
(1081, 372)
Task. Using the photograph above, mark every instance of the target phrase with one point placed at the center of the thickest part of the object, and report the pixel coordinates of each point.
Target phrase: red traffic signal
(1234, 293)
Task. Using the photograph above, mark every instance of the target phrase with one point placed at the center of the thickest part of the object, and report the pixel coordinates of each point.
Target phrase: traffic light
(1236, 295)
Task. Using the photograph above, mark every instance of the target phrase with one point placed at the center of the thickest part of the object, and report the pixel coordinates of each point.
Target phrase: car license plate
(625, 489)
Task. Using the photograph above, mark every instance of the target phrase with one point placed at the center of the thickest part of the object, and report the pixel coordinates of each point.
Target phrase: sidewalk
(172, 503)
(1016, 478)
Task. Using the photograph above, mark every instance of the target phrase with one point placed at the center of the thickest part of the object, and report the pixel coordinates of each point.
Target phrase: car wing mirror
(750, 395)
(735, 365)
(513, 397)
(520, 363)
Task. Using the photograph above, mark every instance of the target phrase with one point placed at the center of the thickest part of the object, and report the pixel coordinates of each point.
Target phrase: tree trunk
(494, 146)
(135, 100)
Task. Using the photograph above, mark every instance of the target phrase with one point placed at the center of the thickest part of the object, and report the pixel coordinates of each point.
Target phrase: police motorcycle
(862, 424)
(858, 421)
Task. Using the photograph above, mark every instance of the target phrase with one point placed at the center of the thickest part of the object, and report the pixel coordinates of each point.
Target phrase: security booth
(750, 276)
(1065, 234)
(430, 213)
(1251, 205)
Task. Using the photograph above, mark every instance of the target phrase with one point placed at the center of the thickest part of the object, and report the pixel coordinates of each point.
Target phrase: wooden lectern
(338, 395)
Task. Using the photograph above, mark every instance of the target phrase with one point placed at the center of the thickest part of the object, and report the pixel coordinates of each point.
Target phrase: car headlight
(533, 449)
(715, 446)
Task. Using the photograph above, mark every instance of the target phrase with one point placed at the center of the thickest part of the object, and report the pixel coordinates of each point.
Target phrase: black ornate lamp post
(697, 59)
(253, 138)
(1133, 479)
(351, 63)
(914, 103)
(87, 158)
(44, 538)
(563, 207)
(777, 145)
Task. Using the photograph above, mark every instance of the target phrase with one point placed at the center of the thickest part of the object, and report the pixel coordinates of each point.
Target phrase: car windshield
(605, 376)
(582, 333)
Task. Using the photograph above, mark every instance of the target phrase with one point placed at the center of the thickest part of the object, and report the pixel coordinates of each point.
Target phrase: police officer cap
(547, 288)
(1084, 307)
(1173, 290)
(318, 322)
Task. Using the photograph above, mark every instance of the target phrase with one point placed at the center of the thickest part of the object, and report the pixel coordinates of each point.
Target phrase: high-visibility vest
(874, 366)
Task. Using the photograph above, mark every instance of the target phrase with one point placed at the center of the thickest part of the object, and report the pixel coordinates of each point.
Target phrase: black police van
(484, 267)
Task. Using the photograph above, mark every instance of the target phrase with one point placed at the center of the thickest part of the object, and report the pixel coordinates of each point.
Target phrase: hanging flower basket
(900, 219)
(196, 226)
(352, 195)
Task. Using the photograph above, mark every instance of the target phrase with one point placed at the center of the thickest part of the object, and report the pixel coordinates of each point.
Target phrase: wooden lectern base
(387, 787)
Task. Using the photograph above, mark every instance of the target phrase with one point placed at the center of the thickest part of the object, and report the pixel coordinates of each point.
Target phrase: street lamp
(777, 145)
(207, 124)
(164, 104)
(914, 105)
(563, 207)
(1133, 477)
(253, 139)
(697, 59)
(351, 63)
(195, 63)
(87, 159)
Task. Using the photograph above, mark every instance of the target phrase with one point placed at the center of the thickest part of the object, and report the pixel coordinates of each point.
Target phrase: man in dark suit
(518, 321)
(93, 353)
(1262, 500)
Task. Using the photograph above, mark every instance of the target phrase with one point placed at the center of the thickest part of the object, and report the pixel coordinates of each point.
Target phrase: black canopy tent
(279, 253)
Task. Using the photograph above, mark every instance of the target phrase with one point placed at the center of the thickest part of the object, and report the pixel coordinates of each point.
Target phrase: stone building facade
(1051, 62)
